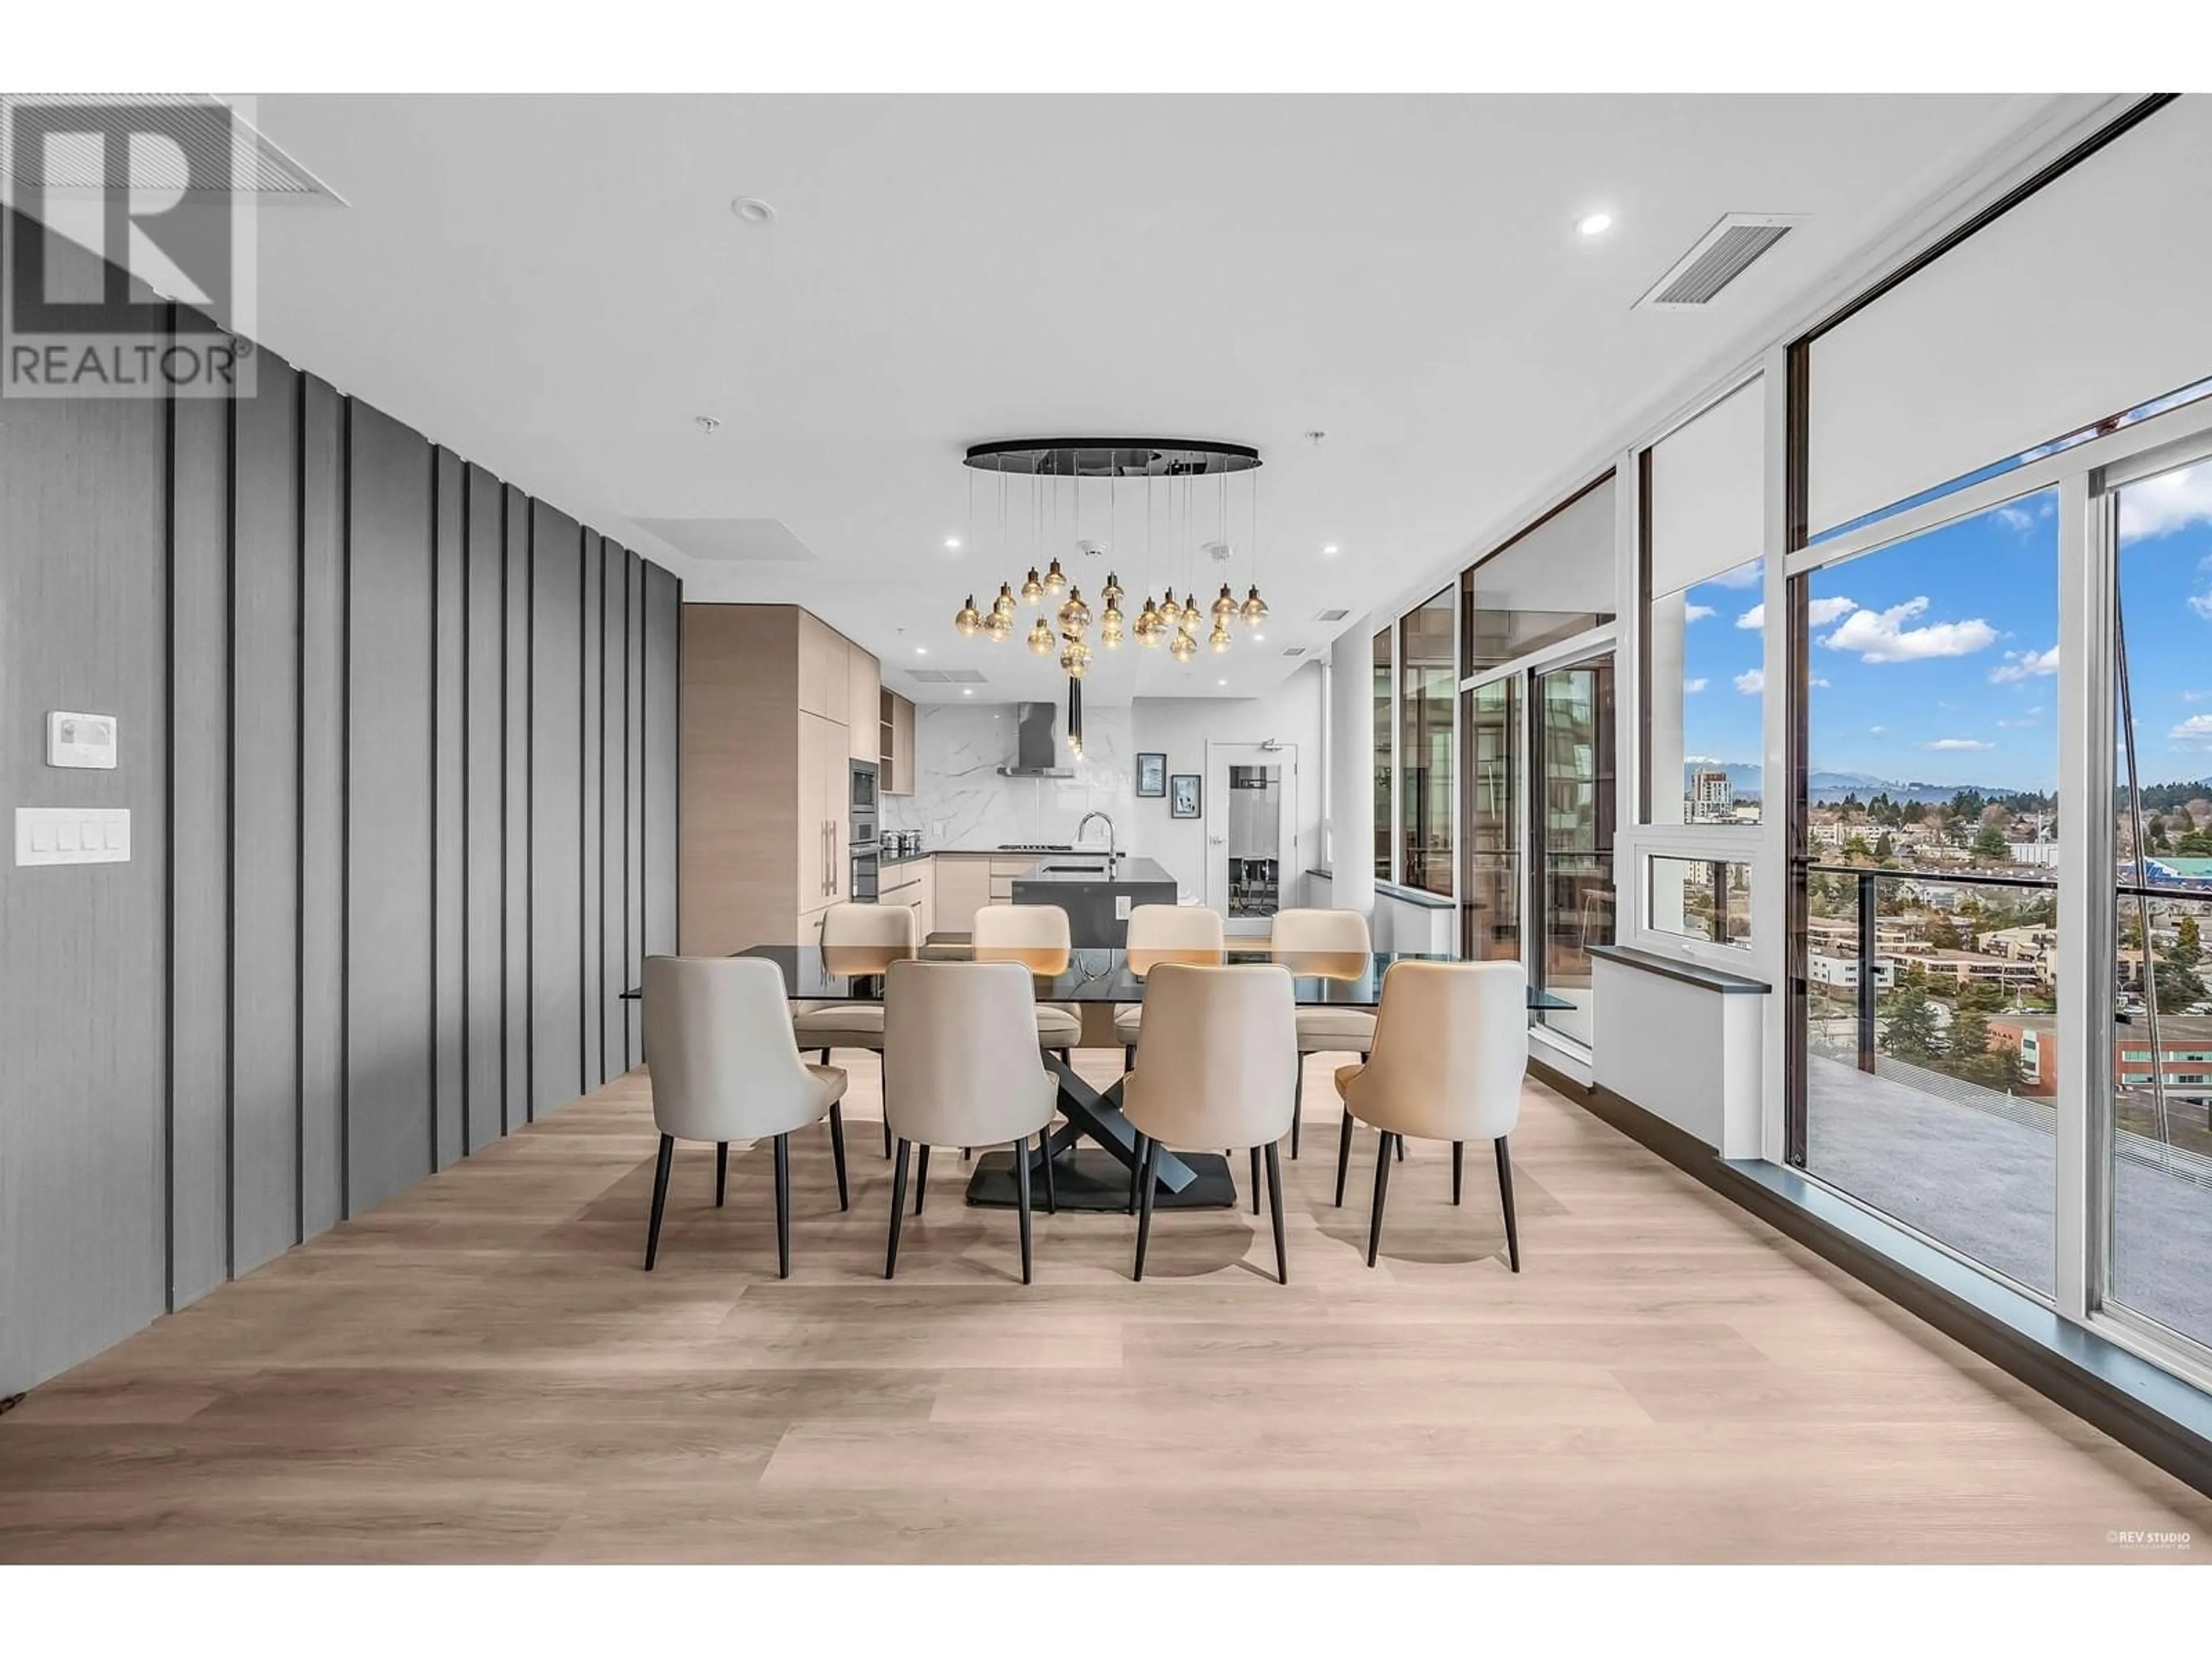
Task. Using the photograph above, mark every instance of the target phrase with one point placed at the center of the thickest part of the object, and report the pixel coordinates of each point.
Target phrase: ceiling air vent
(1294, 651)
(944, 677)
(1720, 255)
(1332, 615)
(203, 132)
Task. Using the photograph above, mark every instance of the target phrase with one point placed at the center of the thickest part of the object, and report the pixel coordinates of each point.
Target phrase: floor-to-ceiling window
(2158, 1136)
(1537, 805)
(1427, 679)
(1931, 881)
(1385, 705)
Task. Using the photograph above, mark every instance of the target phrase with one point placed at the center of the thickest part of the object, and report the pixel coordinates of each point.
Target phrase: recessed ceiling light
(967, 690)
(922, 651)
(752, 209)
(952, 543)
(1221, 682)
(1594, 224)
(1331, 548)
(706, 423)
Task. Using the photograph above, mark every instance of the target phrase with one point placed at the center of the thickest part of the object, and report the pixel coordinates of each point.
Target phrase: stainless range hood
(1036, 751)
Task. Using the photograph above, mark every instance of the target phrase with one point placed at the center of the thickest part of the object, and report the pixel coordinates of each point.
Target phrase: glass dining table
(1095, 1180)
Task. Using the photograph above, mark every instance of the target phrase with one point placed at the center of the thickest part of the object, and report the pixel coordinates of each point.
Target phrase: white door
(1251, 814)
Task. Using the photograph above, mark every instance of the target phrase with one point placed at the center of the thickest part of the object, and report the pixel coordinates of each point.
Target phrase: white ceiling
(555, 287)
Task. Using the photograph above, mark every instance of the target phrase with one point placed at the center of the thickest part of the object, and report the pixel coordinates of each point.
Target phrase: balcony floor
(1976, 1172)
(478, 1371)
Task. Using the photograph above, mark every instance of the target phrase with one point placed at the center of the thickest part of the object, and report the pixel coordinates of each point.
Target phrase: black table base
(1093, 1180)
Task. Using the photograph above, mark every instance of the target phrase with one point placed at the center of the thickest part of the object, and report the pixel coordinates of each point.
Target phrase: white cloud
(1752, 682)
(2195, 696)
(1821, 612)
(1818, 682)
(2015, 519)
(1696, 612)
(2014, 726)
(1754, 618)
(2197, 728)
(1744, 575)
(1880, 636)
(1876, 731)
(2024, 665)
(1702, 760)
(2201, 604)
(1692, 685)
(1958, 742)
(2171, 502)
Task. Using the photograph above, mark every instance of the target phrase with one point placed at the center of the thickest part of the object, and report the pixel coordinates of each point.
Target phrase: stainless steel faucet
(1111, 855)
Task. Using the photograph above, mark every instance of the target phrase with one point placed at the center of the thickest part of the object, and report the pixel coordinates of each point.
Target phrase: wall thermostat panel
(81, 740)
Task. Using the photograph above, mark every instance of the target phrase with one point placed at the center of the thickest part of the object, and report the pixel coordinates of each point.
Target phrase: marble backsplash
(960, 801)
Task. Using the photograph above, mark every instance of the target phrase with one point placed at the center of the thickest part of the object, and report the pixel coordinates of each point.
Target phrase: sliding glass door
(1492, 810)
(1573, 789)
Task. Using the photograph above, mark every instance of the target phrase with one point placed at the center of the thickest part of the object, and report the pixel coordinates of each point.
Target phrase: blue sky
(1936, 658)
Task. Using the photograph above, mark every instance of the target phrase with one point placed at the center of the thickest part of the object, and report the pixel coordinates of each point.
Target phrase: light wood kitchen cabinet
(914, 884)
(767, 767)
(824, 686)
(963, 887)
(898, 733)
(863, 693)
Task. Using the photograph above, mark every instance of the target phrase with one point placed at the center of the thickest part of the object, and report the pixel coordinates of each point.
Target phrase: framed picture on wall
(1152, 776)
(1182, 795)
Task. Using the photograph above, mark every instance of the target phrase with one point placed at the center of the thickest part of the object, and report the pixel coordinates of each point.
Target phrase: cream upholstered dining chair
(867, 934)
(1161, 927)
(1451, 1047)
(964, 1070)
(725, 1066)
(1329, 944)
(1215, 1065)
(1036, 935)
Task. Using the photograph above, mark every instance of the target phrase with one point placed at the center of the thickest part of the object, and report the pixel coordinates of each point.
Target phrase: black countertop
(1126, 873)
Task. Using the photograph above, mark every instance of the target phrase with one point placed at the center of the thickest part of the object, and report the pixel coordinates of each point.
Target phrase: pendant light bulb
(1218, 639)
(1040, 637)
(1110, 627)
(1113, 592)
(1192, 615)
(1033, 590)
(997, 629)
(969, 621)
(1225, 603)
(1056, 580)
(1004, 605)
(1182, 648)
(1254, 609)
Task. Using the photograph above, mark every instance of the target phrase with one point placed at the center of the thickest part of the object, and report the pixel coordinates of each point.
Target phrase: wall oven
(863, 845)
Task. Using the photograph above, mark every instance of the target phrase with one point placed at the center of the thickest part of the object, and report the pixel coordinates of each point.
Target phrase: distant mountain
(1826, 788)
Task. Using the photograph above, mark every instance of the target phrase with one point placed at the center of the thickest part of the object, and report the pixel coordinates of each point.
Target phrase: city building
(1711, 798)
(2184, 1044)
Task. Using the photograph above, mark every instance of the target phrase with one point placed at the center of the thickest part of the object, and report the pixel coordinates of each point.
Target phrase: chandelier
(1183, 482)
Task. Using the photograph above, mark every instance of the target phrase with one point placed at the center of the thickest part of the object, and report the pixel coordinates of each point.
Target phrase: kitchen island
(1097, 892)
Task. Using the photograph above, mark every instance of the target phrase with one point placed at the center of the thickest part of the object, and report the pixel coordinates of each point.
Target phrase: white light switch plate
(72, 834)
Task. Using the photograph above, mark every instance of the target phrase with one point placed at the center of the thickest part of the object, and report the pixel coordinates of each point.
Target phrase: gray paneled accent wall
(400, 759)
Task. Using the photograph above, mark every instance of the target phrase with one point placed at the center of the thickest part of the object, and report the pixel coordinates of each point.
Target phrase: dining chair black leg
(1129, 1057)
(898, 1208)
(837, 1152)
(1382, 1191)
(1256, 1181)
(921, 1178)
(1137, 1172)
(1275, 1203)
(783, 1206)
(660, 1198)
(1145, 1204)
(1343, 1156)
(1458, 1159)
(1505, 1195)
(1051, 1190)
(887, 1137)
(1022, 1199)
(1297, 1100)
(1400, 1142)
(721, 1171)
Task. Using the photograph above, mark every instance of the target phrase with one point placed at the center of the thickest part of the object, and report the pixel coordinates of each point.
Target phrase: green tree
(1856, 850)
(1991, 844)
(2188, 944)
(1884, 849)
(1943, 935)
(2179, 986)
(1911, 1032)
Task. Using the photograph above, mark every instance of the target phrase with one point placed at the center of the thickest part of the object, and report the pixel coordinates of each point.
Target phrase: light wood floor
(479, 1371)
